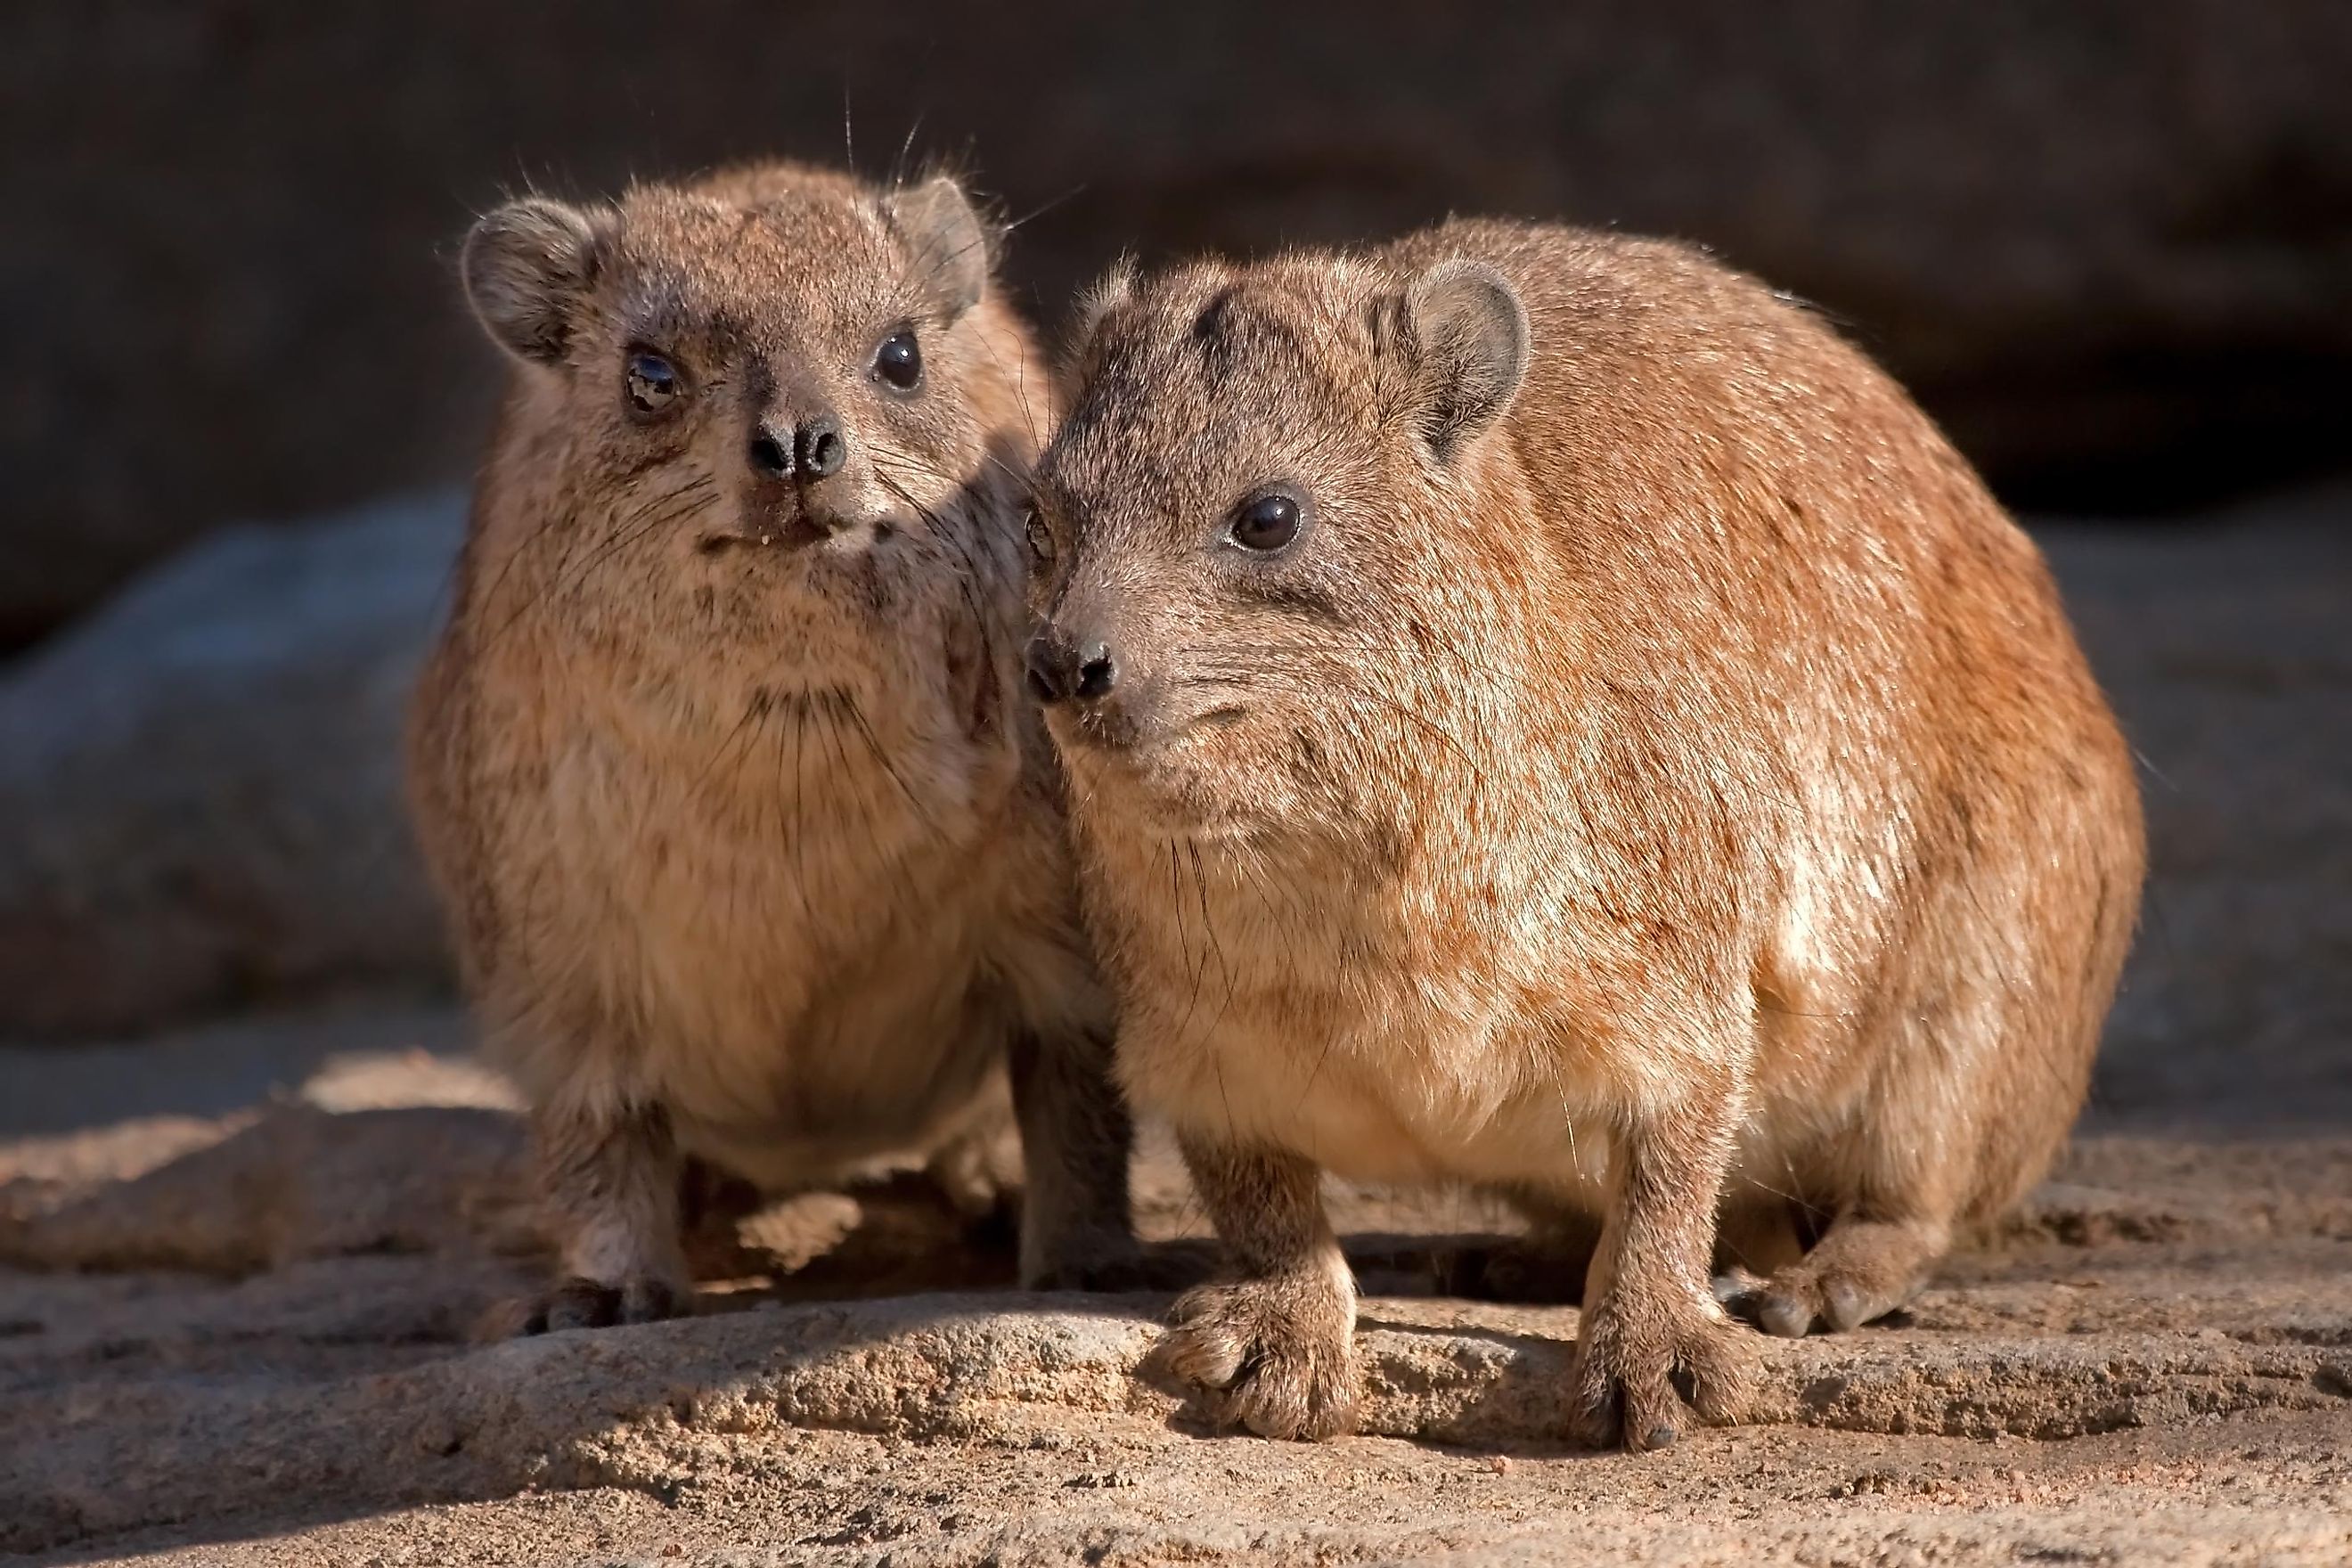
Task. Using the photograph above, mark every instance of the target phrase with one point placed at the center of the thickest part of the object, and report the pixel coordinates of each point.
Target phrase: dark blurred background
(2107, 242)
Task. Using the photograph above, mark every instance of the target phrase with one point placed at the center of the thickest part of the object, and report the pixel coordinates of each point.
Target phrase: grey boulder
(203, 780)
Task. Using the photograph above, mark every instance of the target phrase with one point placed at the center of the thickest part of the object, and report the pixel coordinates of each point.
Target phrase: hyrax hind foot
(578, 1303)
(614, 1185)
(1630, 1358)
(1858, 1273)
(1275, 1355)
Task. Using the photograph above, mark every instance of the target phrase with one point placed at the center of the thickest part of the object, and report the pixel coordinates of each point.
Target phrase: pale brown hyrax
(754, 846)
(1544, 712)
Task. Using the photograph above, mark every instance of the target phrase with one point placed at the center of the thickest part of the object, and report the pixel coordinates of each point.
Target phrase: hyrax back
(1544, 711)
(753, 849)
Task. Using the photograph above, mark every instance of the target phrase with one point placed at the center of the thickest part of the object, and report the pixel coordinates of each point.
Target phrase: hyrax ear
(947, 244)
(1470, 335)
(1114, 288)
(525, 268)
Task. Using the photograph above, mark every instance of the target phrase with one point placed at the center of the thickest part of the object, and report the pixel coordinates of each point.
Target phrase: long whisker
(1352, 692)
(1040, 211)
(907, 461)
(792, 832)
(1638, 706)
(746, 729)
(1019, 376)
(971, 572)
(666, 508)
(874, 744)
(1208, 928)
(832, 711)
(906, 149)
(1351, 645)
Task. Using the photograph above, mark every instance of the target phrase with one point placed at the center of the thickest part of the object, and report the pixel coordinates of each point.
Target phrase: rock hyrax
(753, 848)
(1543, 712)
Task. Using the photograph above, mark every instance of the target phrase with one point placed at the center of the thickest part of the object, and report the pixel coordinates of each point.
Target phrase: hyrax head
(767, 375)
(1249, 533)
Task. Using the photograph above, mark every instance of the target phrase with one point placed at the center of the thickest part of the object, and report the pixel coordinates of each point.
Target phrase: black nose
(1061, 669)
(819, 447)
(770, 455)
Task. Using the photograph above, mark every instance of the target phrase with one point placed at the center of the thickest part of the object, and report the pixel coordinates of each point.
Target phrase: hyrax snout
(1544, 712)
(753, 849)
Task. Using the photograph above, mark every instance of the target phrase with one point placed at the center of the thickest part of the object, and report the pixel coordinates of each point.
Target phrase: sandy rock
(327, 1351)
(297, 1183)
(657, 1408)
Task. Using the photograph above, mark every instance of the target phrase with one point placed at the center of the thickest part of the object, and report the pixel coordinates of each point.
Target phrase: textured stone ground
(244, 1275)
(2157, 1364)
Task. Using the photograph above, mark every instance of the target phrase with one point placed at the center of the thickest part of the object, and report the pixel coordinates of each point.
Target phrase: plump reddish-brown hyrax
(754, 846)
(1544, 712)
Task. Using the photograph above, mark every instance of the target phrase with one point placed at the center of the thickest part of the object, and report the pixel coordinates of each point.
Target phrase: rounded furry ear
(526, 267)
(946, 241)
(1470, 336)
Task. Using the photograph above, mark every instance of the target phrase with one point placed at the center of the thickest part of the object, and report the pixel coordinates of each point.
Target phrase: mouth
(1115, 736)
(778, 538)
(1157, 785)
(797, 534)
(1095, 730)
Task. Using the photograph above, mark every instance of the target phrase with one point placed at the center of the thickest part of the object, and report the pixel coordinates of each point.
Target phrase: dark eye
(1041, 540)
(899, 361)
(652, 382)
(1267, 523)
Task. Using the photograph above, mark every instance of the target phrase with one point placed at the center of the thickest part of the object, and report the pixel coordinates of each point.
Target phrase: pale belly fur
(1401, 1083)
(1415, 1097)
(805, 980)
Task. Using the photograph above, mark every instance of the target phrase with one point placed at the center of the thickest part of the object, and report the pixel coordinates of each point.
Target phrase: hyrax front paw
(1632, 1356)
(579, 1303)
(1277, 1356)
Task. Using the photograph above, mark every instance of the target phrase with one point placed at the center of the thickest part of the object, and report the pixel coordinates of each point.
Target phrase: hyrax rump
(753, 848)
(1543, 712)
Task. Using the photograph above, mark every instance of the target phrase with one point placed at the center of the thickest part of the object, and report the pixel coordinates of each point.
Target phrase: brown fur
(753, 850)
(1661, 780)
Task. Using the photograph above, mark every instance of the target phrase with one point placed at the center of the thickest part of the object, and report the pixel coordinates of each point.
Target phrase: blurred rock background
(2108, 243)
